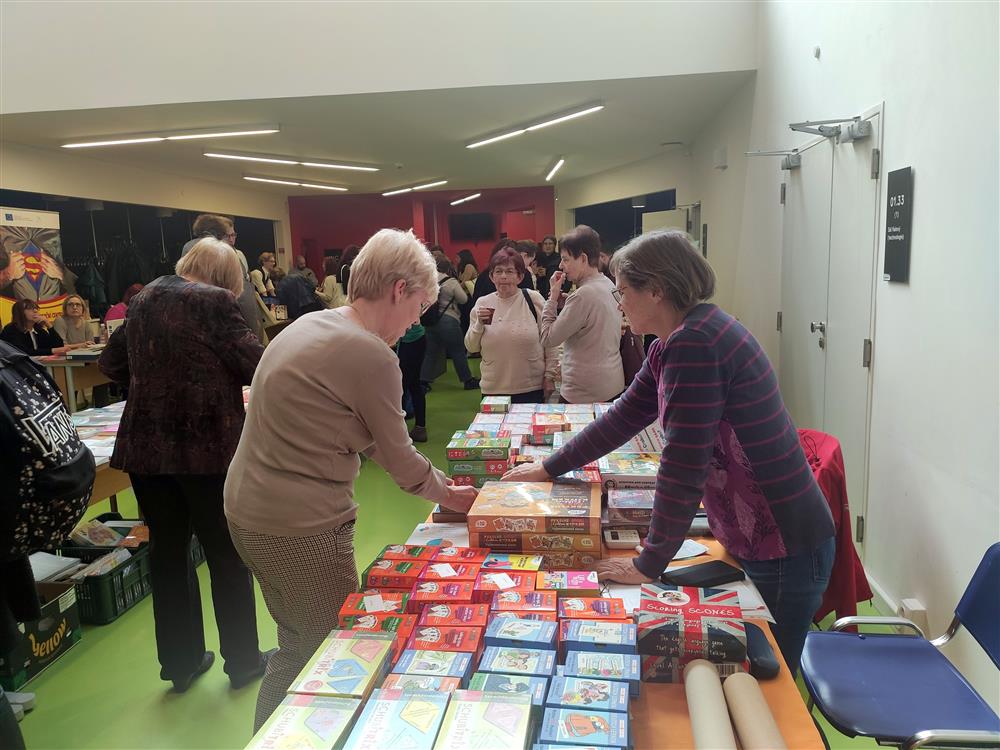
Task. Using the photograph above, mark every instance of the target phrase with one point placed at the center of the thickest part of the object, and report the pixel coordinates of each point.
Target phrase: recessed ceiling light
(294, 183)
(176, 135)
(280, 159)
(240, 157)
(563, 117)
(271, 180)
(338, 166)
(555, 168)
(466, 198)
(430, 185)
(323, 187)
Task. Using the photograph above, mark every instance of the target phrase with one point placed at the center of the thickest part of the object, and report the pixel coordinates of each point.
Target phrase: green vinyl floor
(105, 693)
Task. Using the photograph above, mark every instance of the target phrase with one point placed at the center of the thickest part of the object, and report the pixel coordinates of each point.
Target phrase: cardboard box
(523, 601)
(435, 664)
(536, 507)
(426, 593)
(513, 684)
(671, 668)
(307, 722)
(591, 608)
(494, 467)
(629, 471)
(478, 449)
(630, 506)
(401, 625)
(485, 720)
(569, 582)
(45, 640)
(584, 726)
(542, 616)
(455, 615)
(527, 661)
(419, 682)
(510, 561)
(394, 575)
(544, 424)
(477, 555)
(606, 637)
(487, 584)
(532, 542)
(408, 552)
(394, 603)
(348, 664)
(397, 718)
(433, 638)
(681, 621)
(569, 560)
(494, 404)
(616, 667)
(443, 570)
(514, 632)
(469, 480)
(579, 692)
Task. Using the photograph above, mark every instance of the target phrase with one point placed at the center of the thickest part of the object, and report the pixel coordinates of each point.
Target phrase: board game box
(494, 467)
(348, 664)
(307, 722)
(514, 632)
(585, 726)
(439, 592)
(591, 608)
(485, 721)
(433, 638)
(630, 506)
(455, 615)
(472, 480)
(524, 601)
(398, 719)
(487, 584)
(435, 664)
(494, 404)
(629, 471)
(418, 682)
(443, 570)
(536, 507)
(569, 582)
(529, 661)
(512, 684)
(582, 692)
(510, 561)
(573, 560)
(589, 635)
(532, 542)
(477, 555)
(407, 552)
(671, 668)
(399, 575)
(683, 621)
(616, 667)
(478, 449)
(544, 616)
(392, 603)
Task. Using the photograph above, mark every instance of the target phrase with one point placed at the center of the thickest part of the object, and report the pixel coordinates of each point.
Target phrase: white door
(804, 270)
(853, 272)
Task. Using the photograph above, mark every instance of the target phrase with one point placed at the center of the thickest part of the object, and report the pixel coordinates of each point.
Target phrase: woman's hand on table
(460, 499)
(620, 570)
(527, 473)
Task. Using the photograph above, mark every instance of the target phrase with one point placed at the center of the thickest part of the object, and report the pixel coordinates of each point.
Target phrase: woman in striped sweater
(730, 442)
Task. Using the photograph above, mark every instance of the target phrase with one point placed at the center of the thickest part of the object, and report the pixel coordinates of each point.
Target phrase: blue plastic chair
(900, 689)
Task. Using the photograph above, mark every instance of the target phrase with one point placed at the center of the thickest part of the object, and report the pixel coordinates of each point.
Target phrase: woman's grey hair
(212, 262)
(665, 261)
(391, 255)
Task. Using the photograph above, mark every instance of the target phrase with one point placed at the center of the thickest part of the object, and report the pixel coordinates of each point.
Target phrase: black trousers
(411, 359)
(174, 506)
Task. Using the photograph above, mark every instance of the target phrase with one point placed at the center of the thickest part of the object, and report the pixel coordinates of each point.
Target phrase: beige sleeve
(559, 326)
(377, 402)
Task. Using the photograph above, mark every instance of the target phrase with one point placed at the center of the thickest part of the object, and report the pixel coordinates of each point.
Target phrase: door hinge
(859, 529)
(876, 162)
(779, 321)
(866, 354)
(782, 198)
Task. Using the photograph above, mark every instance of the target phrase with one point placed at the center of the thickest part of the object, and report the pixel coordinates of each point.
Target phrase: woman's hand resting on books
(460, 499)
(619, 570)
(534, 472)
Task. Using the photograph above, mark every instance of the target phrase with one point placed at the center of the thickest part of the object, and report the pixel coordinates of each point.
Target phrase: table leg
(70, 389)
(114, 503)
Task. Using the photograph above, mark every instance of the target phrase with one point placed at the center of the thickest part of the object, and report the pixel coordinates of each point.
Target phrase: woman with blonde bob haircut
(730, 442)
(328, 390)
(212, 262)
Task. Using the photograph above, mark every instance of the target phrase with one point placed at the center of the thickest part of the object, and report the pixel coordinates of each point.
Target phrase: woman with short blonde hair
(327, 390)
(212, 262)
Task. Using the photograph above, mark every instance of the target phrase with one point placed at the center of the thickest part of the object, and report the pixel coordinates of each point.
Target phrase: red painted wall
(335, 221)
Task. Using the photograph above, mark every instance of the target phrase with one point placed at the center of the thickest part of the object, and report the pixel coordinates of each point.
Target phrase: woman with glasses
(504, 326)
(73, 327)
(30, 332)
(290, 494)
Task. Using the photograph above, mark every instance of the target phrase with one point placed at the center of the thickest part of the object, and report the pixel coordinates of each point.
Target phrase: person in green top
(411, 350)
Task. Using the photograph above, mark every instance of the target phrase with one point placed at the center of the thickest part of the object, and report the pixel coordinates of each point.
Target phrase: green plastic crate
(105, 598)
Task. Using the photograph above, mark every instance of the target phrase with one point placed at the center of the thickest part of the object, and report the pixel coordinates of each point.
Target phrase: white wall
(110, 54)
(58, 173)
(933, 503)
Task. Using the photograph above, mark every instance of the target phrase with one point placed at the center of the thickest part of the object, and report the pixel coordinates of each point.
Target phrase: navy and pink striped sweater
(730, 444)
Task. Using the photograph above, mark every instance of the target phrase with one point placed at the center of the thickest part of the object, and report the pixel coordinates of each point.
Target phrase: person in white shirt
(589, 325)
(505, 327)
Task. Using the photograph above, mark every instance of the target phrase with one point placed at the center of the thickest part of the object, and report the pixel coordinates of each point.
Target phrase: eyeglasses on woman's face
(74, 304)
(618, 294)
(505, 271)
(425, 306)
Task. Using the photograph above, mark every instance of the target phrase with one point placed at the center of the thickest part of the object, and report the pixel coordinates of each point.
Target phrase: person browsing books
(730, 442)
(290, 490)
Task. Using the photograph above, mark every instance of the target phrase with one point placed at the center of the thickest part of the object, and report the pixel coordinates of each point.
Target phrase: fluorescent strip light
(269, 179)
(564, 118)
(240, 157)
(192, 136)
(121, 142)
(466, 198)
(554, 169)
(338, 166)
(323, 187)
(397, 192)
(495, 138)
(430, 184)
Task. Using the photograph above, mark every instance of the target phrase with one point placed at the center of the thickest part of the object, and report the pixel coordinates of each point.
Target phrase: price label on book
(444, 570)
(375, 603)
(502, 580)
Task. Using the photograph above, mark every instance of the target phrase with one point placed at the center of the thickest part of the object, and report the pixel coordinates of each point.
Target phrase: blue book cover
(610, 637)
(603, 666)
(435, 663)
(394, 718)
(512, 684)
(529, 661)
(584, 726)
(583, 692)
(516, 632)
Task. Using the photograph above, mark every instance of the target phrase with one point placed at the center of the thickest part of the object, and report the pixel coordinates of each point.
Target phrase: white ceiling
(413, 137)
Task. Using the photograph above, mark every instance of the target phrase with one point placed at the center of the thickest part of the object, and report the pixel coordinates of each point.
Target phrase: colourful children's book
(585, 726)
(435, 664)
(591, 608)
(581, 692)
(399, 719)
(517, 633)
(432, 638)
(348, 664)
(455, 615)
(589, 635)
(616, 667)
(508, 561)
(512, 684)
(418, 682)
(478, 449)
(307, 722)
(399, 575)
(408, 552)
(439, 592)
(392, 603)
(524, 601)
(476, 555)
(536, 507)
(684, 621)
(569, 582)
(485, 721)
(529, 661)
